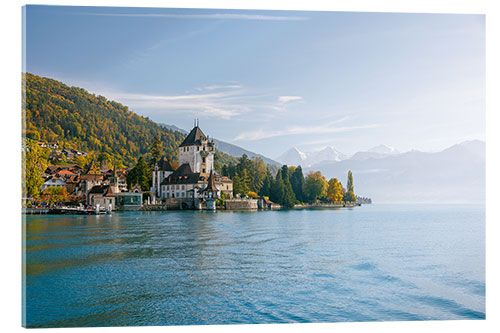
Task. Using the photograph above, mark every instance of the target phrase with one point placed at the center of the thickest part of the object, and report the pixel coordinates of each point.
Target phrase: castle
(195, 179)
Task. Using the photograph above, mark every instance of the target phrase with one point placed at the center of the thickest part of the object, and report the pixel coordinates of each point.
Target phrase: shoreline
(52, 211)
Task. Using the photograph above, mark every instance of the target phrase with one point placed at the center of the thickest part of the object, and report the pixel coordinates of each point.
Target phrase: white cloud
(286, 99)
(260, 134)
(217, 104)
(216, 16)
(218, 87)
(224, 101)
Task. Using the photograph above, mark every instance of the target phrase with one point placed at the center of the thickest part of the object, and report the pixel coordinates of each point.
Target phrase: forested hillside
(75, 118)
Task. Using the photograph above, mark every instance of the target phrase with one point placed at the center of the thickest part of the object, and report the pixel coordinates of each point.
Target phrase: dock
(63, 210)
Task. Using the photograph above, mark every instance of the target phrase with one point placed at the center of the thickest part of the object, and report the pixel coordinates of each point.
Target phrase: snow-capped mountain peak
(296, 157)
(292, 156)
(383, 149)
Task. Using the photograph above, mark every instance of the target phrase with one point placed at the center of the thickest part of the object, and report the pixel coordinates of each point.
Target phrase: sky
(271, 80)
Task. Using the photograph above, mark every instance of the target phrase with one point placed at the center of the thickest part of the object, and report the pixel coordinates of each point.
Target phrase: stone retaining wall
(235, 204)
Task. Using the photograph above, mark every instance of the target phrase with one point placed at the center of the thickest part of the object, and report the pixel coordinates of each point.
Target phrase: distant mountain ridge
(227, 148)
(383, 149)
(455, 174)
(294, 156)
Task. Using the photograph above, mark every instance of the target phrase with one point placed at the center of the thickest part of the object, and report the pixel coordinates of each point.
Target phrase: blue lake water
(369, 263)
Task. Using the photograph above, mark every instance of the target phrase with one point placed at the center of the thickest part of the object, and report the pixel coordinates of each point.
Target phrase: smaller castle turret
(198, 151)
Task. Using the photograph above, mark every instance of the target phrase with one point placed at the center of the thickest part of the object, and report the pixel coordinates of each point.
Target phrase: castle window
(203, 159)
(198, 149)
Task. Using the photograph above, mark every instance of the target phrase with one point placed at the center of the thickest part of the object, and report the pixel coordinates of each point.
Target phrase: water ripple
(181, 268)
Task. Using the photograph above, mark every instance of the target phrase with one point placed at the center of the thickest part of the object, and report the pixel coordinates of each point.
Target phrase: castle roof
(105, 190)
(194, 138)
(164, 164)
(183, 175)
(65, 172)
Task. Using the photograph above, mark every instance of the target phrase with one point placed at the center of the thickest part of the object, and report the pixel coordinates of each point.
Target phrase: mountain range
(293, 156)
(456, 174)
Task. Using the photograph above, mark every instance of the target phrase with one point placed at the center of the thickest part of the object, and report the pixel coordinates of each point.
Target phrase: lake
(369, 263)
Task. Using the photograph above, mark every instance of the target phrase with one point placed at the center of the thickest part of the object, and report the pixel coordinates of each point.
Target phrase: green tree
(297, 182)
(315, 186)
(277, 189)
(288, 200)
(350, 196)
(350, 184)
(140, 174)
(259, 173)
(265, 190)
(236, 184)
(156, 151)
(242, 186)
(34, 163)
(284, 172)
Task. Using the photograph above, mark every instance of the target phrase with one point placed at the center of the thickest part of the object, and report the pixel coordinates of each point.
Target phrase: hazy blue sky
(270, 80)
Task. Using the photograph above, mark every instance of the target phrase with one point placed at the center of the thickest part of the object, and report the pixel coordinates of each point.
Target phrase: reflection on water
(369, 263)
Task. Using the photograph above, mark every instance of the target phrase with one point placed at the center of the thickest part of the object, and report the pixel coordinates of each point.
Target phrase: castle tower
(198, 151)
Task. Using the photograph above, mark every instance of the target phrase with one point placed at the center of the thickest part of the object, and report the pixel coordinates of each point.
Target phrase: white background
(10, 130)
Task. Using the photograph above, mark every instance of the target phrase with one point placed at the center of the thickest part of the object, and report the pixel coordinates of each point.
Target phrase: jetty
(64, 210)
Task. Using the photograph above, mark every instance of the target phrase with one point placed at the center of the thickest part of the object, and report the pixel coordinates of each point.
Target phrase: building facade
(102, 196)
(162, 170)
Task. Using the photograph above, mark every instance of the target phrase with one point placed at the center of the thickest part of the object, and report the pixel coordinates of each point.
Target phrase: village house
(90, 178)
(102, 196)
(54, 181)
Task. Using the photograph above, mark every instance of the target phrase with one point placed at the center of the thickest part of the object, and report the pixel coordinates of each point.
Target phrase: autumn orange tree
(334, 193)
(55, 194)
